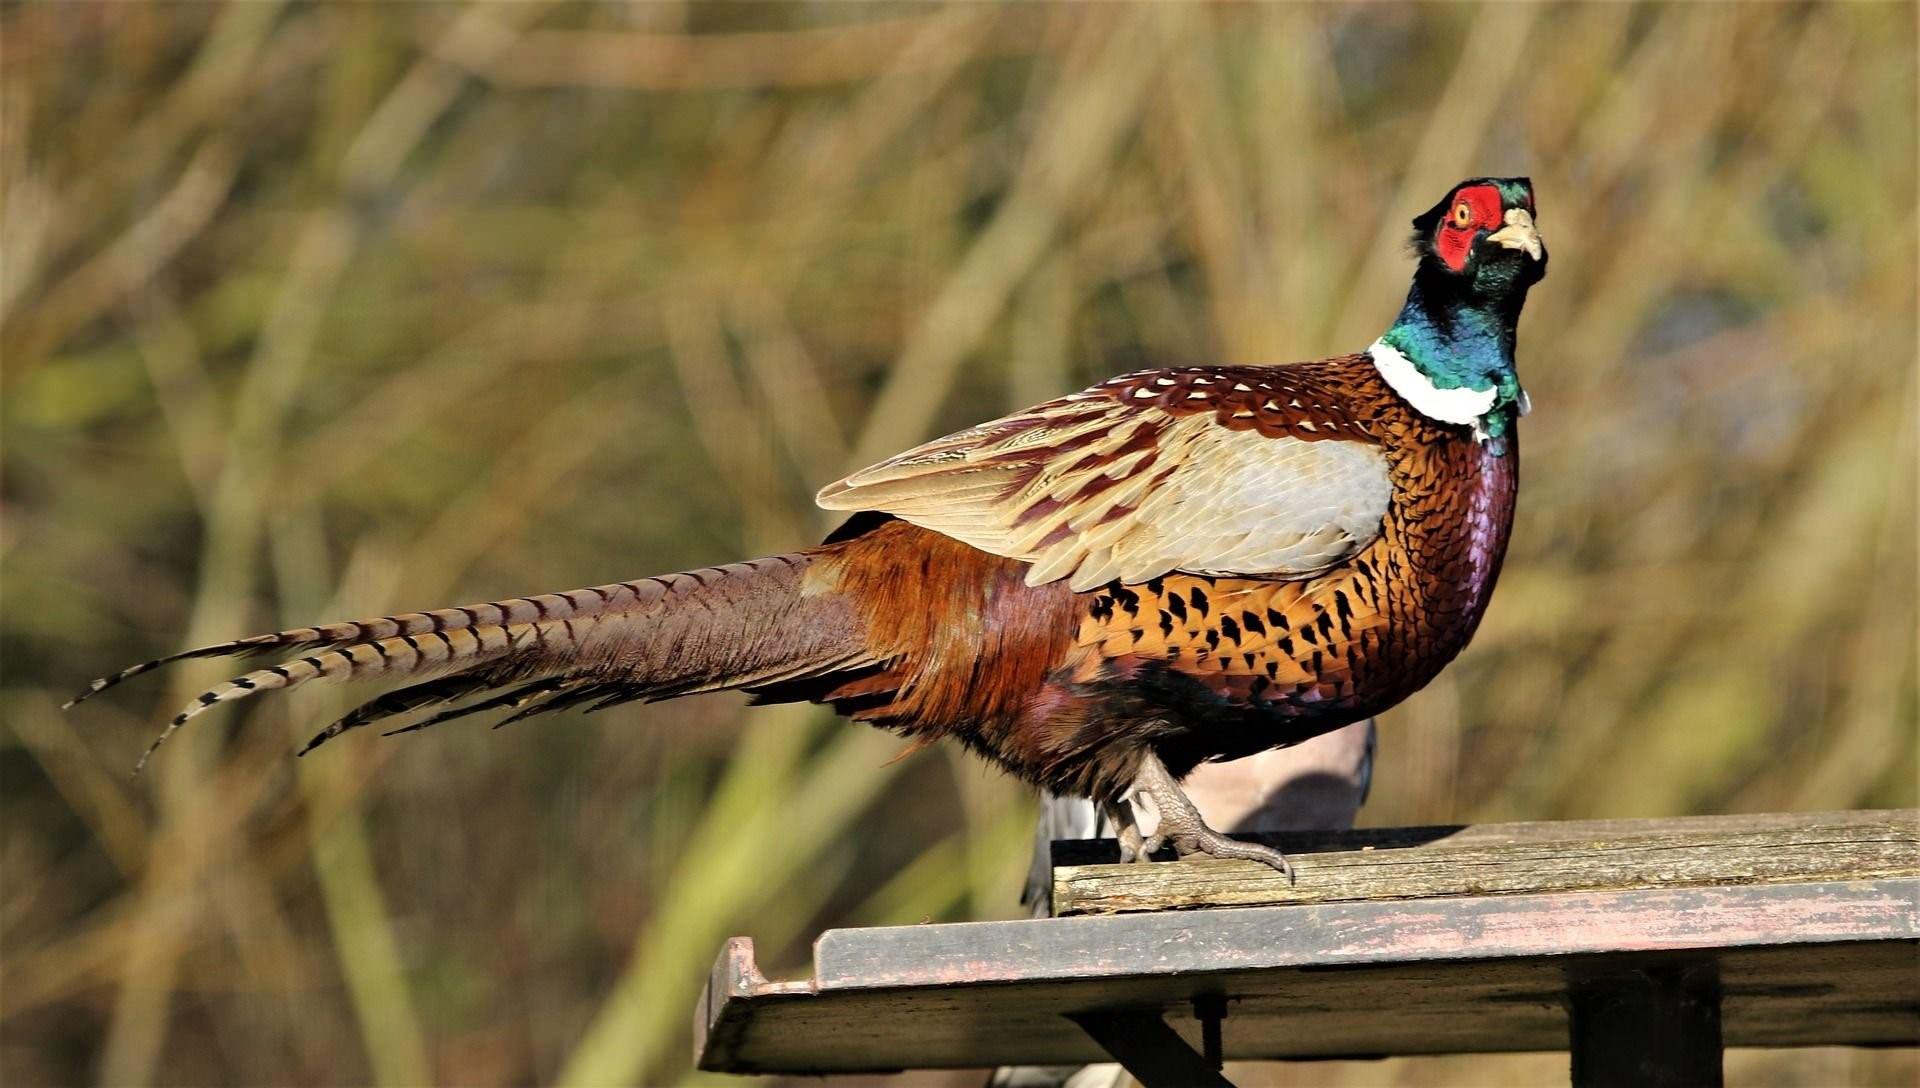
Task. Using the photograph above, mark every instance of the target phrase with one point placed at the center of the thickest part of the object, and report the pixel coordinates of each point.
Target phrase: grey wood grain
(1504, 859)
(1356, 934)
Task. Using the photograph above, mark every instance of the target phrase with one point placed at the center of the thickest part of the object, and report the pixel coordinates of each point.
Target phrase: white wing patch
(1095, 490)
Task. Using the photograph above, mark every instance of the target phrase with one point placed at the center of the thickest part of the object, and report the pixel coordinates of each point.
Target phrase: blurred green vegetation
(319, 310)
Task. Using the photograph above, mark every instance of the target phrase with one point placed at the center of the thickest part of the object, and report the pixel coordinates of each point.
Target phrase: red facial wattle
(1472, 210)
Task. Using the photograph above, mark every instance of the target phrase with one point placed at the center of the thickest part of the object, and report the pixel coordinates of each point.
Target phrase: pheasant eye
(1462, 215)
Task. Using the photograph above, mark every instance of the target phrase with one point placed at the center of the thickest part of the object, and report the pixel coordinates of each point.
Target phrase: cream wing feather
(1096, 487)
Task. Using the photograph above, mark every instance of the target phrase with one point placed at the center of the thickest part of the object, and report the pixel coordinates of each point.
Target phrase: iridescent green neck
(1457, 341)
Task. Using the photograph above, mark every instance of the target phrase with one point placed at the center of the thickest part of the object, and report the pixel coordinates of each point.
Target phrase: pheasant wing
(1220, 471)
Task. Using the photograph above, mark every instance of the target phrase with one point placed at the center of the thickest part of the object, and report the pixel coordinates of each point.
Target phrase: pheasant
(1097, 593)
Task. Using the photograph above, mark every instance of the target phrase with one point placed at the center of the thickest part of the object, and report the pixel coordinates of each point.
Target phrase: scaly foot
(1181, 825)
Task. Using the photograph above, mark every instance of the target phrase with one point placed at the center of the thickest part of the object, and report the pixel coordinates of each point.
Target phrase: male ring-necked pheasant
(1097, 593)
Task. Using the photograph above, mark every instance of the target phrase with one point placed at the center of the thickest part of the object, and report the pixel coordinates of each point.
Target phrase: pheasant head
(1482, 239)
(1450, 352)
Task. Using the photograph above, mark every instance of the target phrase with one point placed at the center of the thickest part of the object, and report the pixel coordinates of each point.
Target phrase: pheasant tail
(740, 625)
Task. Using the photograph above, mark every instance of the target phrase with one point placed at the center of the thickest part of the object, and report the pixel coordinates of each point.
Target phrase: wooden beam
(1801, 964)
(1650, 1028)
(1503, 859)
(1147, 1048)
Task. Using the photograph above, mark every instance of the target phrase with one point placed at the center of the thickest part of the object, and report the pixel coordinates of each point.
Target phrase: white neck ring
(1460, 405)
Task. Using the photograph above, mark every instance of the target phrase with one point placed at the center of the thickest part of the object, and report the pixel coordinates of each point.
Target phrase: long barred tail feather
(546, 606)
(406, 654)
(745, 624)
(259, 644)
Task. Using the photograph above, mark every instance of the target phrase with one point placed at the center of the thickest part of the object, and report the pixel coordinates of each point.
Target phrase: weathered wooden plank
(1106, 851)
(1327, 935)
(1799, 964)
(1800, 959)
(1849, 994)
(1504, 859)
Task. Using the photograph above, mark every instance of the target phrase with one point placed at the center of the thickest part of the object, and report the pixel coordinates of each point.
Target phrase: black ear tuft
(1423, 226)
(1429, 219)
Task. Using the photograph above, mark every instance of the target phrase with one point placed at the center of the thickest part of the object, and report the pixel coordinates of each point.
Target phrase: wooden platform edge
(1503, 859)
(1130, 958)
(1812, 924)
(734, 983)
(1368, 934)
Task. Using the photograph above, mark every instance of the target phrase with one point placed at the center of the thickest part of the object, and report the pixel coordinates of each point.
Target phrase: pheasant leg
(1181, 825)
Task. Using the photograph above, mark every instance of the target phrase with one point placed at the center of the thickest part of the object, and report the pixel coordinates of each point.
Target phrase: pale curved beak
(1519, 233)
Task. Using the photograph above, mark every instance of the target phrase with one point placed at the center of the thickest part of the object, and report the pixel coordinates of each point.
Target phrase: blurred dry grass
(322, 309)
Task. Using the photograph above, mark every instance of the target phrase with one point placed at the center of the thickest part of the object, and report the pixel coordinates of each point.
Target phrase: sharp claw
(1181, 824)
(1210, 843)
